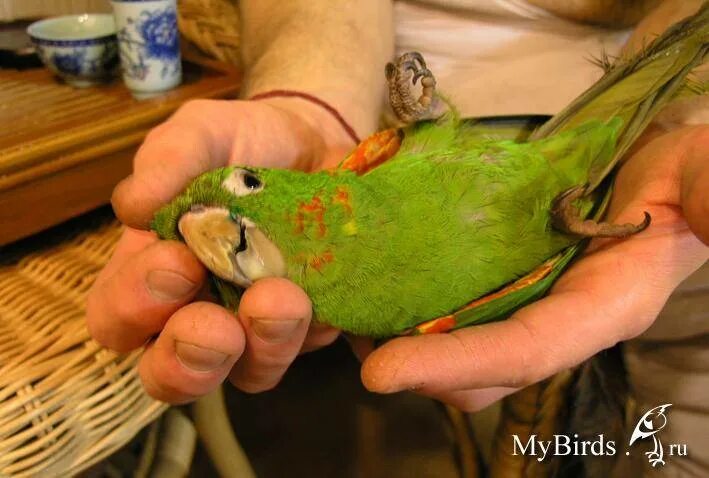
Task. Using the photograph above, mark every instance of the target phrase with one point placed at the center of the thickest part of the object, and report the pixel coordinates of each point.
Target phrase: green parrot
(439, 224)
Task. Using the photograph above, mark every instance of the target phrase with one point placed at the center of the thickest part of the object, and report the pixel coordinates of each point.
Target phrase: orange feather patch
(373, 151)
(448, 322)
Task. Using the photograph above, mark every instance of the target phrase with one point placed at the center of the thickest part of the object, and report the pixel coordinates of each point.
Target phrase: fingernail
(275, 331)
(198, 358)
(169, 286)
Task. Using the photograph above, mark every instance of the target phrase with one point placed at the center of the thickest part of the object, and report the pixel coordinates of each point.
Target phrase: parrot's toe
(407, 107)
(566, 217)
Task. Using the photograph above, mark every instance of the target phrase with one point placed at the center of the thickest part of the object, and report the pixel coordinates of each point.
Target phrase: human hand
(613, 293)
(148, 287)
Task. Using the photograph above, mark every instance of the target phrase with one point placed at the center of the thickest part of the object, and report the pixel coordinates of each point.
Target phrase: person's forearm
(335, 50)
(658, 20)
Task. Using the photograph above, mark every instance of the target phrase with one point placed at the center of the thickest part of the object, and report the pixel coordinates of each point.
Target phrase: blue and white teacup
(149, 44)
(81, 49)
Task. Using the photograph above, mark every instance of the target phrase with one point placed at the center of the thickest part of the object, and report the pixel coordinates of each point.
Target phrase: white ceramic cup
(148, 41)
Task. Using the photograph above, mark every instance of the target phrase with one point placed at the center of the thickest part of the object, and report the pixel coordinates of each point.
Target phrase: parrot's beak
(234, 249)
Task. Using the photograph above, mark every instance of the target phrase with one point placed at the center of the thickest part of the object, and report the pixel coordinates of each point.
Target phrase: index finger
(206, 134)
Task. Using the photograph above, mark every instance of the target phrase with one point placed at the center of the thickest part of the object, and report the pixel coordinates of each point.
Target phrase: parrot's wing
(501, 303)
(635, 89)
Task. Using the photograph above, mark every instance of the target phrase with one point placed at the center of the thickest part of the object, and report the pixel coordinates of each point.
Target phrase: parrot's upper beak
(234, 249)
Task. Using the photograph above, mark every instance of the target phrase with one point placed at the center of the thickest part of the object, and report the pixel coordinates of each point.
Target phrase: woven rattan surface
(212, 25)
(65, 402)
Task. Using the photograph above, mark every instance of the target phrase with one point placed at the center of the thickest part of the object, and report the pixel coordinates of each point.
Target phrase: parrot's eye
(242, 182)
(251, 181)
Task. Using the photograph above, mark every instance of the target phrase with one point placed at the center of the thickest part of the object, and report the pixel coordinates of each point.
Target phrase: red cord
(313, 99)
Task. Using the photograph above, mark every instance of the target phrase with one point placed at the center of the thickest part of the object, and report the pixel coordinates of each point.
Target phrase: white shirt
(497, 57)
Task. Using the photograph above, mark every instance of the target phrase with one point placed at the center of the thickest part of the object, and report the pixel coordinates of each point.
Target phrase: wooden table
(62, 150)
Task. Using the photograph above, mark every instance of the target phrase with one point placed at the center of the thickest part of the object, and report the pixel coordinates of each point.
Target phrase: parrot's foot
(566, 218)
(408, 108)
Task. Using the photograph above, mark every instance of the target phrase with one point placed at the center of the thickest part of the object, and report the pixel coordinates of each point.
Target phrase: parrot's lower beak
(234, 249)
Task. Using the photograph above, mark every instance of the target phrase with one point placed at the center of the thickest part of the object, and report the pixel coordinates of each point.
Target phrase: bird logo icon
(649, 424)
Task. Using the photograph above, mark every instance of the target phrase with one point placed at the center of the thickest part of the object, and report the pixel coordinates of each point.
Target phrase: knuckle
(632, 326)
(107, 318)
(161, 132)
(528, 363)
(196, 108)
(98, 324)
(94, 322)
(121, 312)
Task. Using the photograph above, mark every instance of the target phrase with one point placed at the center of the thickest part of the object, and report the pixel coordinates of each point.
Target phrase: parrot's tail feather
(693, 86)
(635, 89)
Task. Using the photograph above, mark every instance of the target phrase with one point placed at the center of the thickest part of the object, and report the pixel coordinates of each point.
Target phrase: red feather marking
(373, 151)
(342, 197)
(318, 262)
(311, 213)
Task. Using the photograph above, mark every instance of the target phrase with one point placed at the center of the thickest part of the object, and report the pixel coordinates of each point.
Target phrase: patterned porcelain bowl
(82, 49)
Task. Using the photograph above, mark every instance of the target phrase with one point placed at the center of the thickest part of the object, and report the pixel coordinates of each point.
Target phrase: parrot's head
(247, 223)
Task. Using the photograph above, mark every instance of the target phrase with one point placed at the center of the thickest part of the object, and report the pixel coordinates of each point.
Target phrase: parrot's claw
(426, 74)
(408, 108)
(566, 217)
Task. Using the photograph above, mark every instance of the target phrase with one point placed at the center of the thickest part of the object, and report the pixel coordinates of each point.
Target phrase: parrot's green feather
(636, 88)
(456, 213)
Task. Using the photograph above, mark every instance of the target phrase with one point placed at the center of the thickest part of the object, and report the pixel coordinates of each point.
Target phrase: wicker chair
(65, 402)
